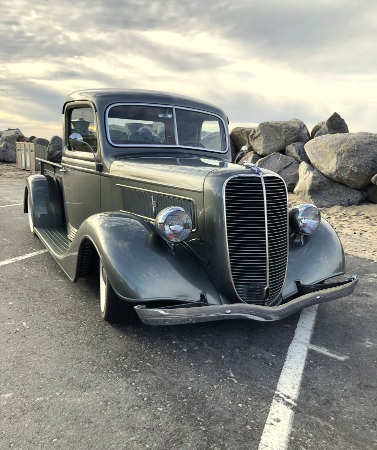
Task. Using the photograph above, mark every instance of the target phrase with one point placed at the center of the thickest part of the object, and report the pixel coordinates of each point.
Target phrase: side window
(82, 121)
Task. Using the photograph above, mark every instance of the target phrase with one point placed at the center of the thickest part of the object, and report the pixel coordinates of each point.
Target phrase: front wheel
(113, 309)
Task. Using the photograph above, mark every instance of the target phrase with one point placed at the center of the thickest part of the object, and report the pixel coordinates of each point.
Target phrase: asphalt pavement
(69, 380)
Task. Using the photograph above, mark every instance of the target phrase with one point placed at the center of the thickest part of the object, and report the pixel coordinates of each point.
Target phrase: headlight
(174, 224)
(305, 219)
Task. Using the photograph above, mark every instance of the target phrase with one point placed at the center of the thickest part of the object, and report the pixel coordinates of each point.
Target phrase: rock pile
(10, 137)
(327, 167)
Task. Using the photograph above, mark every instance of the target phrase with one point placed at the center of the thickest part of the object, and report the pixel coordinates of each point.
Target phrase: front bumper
(183, 315)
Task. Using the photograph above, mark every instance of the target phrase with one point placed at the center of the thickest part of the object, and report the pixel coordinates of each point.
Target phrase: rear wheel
(113, 309)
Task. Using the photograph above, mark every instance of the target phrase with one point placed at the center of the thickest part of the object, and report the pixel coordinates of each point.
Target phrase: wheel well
(88, 260)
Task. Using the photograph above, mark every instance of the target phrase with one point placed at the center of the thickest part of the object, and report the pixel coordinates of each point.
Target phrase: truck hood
(186, 173)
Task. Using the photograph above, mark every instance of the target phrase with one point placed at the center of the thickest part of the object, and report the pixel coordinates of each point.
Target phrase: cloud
(267, 60)
(318, 35)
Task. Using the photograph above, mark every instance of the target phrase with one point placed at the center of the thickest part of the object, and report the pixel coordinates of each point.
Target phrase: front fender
(139, 265)
(320, 257)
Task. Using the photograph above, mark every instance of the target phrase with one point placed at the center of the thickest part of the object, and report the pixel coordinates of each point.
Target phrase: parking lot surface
(72, 381)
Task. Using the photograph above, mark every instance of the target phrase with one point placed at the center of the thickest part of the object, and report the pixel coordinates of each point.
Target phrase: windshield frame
(164, 145)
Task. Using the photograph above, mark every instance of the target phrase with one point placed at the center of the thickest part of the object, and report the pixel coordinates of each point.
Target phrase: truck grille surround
(257, 250)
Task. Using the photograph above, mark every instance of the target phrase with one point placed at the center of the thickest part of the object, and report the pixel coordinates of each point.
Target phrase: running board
(55, 239)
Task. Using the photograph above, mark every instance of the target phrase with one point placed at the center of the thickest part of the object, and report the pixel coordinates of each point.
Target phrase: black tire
(30, 213)
(113, 309)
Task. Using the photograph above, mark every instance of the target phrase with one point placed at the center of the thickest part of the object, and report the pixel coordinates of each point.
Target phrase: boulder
(240, 137)
(285, 166)
(334, 124)
(374, 179)
(250, 157)
(271, 137)
(8, 141)
(41, 141)
(54, 149)
(315, 188)
(297, 151)
(372, 193)
(349, 158)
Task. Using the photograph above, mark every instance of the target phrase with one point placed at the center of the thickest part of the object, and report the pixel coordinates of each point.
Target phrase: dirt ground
(355, 225)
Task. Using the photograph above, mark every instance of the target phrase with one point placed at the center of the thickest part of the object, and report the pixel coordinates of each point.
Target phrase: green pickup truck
(146, 196)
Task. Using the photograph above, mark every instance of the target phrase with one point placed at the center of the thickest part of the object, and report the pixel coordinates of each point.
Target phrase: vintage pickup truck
(147, 196)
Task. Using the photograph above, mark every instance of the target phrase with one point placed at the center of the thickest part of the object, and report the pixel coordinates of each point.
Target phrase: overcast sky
(257, 60)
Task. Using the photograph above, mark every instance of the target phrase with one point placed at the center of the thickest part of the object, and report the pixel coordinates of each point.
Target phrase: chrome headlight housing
(174, 224)
(305, 219)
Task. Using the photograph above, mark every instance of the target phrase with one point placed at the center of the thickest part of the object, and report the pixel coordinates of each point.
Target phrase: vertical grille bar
(257, 262)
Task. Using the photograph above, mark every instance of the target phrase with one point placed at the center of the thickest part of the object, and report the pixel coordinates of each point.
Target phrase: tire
(30, 213)
(113, 309)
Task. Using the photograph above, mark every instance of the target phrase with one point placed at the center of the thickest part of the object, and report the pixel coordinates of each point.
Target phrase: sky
(257, 60)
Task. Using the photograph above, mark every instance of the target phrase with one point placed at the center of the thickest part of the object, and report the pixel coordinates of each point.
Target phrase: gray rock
(250, 157)
(240, 137)
(54, 149)
(334, 124)
(374, 179)
(285, 166)
(349, 158)
(271, 137)
(8, 141)
(297, 151)
(372, 193)
(315, 188)
(41, 141)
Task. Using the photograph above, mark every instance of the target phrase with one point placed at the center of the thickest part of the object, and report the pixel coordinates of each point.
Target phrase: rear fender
(46, 201)
(320, 257)
(139, 265)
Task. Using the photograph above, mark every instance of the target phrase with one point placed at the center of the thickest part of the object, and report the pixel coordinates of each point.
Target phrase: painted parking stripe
(279, 422)
(14, 204)
(20, 258)
(326, 352)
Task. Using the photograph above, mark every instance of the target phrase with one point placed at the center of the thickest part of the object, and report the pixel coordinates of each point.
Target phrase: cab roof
(104, 97)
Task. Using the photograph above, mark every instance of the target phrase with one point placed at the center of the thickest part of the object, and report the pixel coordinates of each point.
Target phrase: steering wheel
(193, 144)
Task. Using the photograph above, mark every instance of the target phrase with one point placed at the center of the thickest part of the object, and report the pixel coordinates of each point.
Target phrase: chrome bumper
(185, 315)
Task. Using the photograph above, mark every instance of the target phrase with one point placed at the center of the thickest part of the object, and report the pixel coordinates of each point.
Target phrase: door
(81, 181)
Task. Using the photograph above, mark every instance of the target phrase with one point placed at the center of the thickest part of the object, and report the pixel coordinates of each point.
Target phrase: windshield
(133, 125)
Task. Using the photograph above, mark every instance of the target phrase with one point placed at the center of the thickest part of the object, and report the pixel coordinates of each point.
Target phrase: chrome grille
(140, 202)
(258, 269)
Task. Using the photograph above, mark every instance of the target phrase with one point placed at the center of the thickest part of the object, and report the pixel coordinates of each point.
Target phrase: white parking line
(279, 422)
(326, 352)
(14, 204)
(20, 258)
